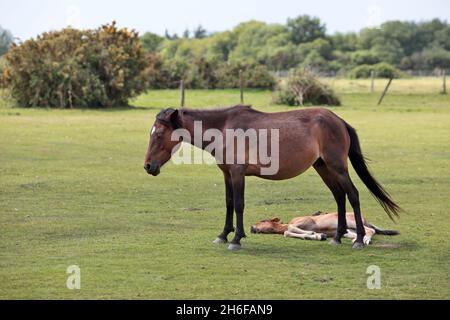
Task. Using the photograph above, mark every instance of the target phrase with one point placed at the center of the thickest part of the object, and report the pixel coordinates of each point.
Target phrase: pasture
(73, 192)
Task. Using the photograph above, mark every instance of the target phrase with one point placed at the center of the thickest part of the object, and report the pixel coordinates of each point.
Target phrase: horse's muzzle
(153, 169)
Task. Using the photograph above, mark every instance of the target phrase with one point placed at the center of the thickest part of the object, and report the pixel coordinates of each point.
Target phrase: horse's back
(304, 135)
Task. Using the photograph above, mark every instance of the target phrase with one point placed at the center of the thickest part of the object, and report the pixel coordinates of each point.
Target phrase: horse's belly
(285, 169)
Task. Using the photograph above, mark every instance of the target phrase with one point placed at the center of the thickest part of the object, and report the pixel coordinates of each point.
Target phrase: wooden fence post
(182, 94)
(241, 85)
(372, 79)
(444, 82)
(385, 91)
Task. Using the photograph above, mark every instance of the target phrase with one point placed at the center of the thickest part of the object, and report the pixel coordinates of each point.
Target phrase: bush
(73, 68)
(255, 76)
(205, 74)
(302, 87)
(382, 70)
(202, 75)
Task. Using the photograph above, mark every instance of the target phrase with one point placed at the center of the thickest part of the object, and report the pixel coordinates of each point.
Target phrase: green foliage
(151, 41)
(305, 29)
(361, 57)
(303, 88)
(428, 59)
(73, 68)
(302, 42)
(206, 74)
(200, 32)
(382, 70)
(254, 76)
(2, 64)
(6, 39)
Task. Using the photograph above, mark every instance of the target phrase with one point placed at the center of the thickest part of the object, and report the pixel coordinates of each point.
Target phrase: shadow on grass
(319, 249)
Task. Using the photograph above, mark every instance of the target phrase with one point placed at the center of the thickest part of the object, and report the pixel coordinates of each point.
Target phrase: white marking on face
(153, 130)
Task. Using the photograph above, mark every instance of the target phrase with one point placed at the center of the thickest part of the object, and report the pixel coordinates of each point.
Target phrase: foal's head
(269, 226)
(161, 147)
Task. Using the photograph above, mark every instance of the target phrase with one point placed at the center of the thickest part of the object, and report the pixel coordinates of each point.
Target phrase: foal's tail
(359, 163)
(384, 232)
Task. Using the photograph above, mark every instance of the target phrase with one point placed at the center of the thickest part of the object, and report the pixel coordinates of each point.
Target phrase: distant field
(73, 192)
(405, 86)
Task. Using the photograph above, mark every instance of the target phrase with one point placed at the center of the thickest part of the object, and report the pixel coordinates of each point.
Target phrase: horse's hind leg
(330, 179)
(353, 197)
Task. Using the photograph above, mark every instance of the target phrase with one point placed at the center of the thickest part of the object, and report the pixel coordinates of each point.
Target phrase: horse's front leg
(238, 181)
(223, 237)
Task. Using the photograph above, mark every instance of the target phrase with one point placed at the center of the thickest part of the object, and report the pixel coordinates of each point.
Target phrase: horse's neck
(207, 119)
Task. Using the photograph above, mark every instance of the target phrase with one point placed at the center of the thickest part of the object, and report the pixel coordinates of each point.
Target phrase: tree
(6, 39)
(200, 32)
(151, 41)
(77, 68)
(305, 29)
(168, 36)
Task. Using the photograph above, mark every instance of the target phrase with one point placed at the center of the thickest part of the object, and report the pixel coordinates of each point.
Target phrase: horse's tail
(359, 163)
(384, 232)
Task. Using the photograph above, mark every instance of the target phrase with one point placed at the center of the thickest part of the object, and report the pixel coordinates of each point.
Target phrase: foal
(313, 137)
(318, 227)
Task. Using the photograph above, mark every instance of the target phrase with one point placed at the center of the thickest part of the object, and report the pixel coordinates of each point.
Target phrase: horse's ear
(174, 119)
(275, 219)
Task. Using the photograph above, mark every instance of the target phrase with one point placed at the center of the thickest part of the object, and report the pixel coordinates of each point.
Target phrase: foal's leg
(238, 181)
(350, 235)
(294, 229)
(223, 237)
(330, 179)
(369, 234)
(305, 236)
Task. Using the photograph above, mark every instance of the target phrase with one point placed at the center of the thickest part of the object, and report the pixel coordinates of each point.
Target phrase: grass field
(73, 192)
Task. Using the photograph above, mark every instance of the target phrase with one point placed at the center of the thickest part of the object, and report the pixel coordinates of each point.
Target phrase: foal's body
(311, 137)
(318, 227)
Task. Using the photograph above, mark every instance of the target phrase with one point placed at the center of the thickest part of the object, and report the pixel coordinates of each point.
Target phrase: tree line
(303, 42)
(106, 66)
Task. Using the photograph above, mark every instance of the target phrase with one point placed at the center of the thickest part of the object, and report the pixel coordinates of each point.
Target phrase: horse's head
(268, 226)
(161, 147)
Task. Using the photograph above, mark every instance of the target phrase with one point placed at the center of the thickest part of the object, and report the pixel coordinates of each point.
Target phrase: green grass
(73, 192)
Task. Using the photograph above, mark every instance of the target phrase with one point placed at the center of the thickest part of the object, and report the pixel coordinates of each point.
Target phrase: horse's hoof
(358, 245)
(323, 237)
(220, 241)
(335, 242)
(234, 247)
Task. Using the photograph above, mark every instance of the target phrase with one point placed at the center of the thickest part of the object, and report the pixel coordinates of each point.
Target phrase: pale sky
(27, 18)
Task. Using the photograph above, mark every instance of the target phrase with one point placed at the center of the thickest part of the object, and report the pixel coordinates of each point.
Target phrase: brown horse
(312, 137)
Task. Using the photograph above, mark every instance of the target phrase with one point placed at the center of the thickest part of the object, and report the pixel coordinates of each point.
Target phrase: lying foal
(318, 227)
